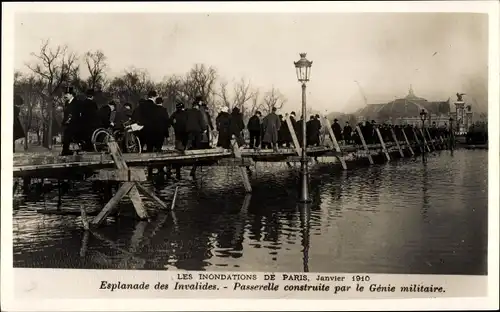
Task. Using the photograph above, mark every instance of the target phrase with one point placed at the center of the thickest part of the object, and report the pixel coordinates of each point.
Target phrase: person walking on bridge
(347, 133)
(254, 127)
(337, 130)
(222, 123)
(195, 126)
(236, 126)
(271, 125)
(88, 118)
(178, 121)
(70, 120)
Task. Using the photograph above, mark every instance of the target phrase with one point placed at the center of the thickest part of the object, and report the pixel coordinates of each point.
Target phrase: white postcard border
(7, 273)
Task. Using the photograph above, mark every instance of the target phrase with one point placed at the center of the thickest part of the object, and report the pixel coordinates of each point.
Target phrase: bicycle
(129, 142)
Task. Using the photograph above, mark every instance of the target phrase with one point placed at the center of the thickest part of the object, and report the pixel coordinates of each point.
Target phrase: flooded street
(406, 216)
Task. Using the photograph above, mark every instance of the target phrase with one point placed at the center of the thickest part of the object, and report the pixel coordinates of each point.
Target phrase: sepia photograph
(225, 143)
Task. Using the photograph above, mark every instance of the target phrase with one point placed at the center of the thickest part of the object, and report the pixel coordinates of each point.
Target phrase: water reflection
(399, 217)
(305, 227)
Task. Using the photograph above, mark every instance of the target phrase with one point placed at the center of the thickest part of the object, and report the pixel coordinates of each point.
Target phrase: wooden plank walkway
(28, 162)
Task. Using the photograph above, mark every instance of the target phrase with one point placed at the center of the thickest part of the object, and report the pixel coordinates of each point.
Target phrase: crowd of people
(193, 127)
(347, 135)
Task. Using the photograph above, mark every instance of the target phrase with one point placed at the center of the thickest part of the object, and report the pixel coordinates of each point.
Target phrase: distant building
(406, 111)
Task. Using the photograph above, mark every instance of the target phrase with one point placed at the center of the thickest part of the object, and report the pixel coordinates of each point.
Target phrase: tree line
(53, 68)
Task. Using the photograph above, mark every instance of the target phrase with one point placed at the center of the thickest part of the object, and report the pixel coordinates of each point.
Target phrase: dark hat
(198, 98)
(274, 109)
(90, 92)
(112, 103)
(127, 104)
(69, 90)
(317, 116)
(258, 113)
(335, 119)
(292, 113)
(152, 93)
(159, 100)
(179, 105)
(311, 118)
(373, 121)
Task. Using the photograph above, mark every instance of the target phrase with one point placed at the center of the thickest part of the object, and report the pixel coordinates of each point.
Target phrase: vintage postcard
(315, 155)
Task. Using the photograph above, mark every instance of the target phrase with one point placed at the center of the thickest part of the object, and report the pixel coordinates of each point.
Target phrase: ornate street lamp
(423, 117)
(303, 69)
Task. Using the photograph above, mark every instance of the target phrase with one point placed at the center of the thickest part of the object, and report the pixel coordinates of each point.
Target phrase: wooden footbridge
(129, 169)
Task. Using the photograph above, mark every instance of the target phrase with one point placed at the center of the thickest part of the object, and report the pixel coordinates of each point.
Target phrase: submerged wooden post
(430, 138)
(382, 143)
(243, 171)
(408, 143)
(370, 159)
(425, 140)
(336, 145)
(422, 148)
(295, 140)
(394, 137)
(131, 178)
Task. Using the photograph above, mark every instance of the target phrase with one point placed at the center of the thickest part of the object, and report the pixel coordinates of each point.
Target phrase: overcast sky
(438, 53)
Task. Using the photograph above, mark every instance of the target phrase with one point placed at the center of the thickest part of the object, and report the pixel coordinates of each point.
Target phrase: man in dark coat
(18, 128)
(195, 126)
(237, 125)
(311, 132)
(207, 120)
(124, 115)
(271, 124)
(146, 115)
(254, 128)
(223, 123)
(317, 129)
(104, 115)
(347, 133)
(337, 130)
(281, 131)
(162, 125)
(70, 120)
(88, 118)
(178, 121)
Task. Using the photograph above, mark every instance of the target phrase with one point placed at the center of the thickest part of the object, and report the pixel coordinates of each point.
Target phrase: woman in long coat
(271, 125)
(18, 128)
(237, 125)
(223, 122)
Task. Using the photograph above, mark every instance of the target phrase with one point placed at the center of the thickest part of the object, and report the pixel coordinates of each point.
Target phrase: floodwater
(406, 216)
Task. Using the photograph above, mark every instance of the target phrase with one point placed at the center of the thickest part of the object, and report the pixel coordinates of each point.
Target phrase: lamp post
(303, 70)
(451, 133)
(423, 117)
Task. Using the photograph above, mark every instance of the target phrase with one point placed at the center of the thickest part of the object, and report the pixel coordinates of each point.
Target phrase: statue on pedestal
(460, 97)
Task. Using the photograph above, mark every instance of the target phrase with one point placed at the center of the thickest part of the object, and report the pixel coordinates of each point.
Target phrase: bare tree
(242, 94)
(171, 91)
(55, 67)
(30, 88)
(96, 65)
(273, 98)
(200, 81)
(256, 104)
(131, 86)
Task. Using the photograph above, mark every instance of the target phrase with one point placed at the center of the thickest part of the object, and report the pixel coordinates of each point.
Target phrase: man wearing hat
(337, 130)
(179, 122)
(105, 115)
(207, 120)
(88, 120)
(70, 120)
(254, 128)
